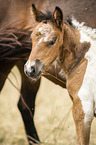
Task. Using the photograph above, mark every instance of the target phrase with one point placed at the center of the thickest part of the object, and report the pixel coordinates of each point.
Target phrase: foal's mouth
(35, 70)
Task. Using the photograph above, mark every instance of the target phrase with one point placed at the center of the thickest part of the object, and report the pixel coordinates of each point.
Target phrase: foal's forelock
(43, 32)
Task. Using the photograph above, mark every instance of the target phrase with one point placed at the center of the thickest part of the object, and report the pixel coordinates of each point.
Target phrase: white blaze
(46, 31)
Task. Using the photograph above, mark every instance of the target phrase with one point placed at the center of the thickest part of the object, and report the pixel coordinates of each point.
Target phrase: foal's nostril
(32, 70)
(37, 60)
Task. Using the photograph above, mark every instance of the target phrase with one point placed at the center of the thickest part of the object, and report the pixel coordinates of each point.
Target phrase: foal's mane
(79, 49)
(48, 16)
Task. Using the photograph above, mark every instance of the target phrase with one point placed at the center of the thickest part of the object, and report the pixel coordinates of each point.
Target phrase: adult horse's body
(17, 13)
(74, 47)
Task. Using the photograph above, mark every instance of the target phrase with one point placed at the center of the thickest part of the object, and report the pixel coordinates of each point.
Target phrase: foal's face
(46, 40)
(45, 43)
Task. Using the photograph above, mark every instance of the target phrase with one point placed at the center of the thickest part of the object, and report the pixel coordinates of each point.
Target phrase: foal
(74, 47)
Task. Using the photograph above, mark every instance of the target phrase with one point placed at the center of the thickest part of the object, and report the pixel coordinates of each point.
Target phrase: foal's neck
(72, 50)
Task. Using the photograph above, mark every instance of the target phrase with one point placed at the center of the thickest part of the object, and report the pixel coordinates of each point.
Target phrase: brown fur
(74, 83)
(74, 65)
(71, 58)
(72, 51)
(13, 10)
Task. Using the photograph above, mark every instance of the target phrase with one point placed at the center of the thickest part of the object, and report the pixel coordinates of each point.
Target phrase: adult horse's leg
(4, 71)
(26, 104)
(28, 92)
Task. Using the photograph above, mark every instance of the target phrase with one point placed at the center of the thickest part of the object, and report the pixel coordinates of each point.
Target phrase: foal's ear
(38, 15)
(58, 17)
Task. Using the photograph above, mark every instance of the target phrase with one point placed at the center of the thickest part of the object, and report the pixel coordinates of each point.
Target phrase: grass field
(53, 116)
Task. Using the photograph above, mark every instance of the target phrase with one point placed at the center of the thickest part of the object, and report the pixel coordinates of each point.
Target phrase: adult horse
(74, 47)
(17, 14)
(15, 46)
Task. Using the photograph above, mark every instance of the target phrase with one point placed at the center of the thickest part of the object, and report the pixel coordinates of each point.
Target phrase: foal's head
(47, 37)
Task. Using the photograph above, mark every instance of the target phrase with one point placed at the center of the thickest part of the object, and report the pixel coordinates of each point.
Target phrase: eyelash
(52, 42)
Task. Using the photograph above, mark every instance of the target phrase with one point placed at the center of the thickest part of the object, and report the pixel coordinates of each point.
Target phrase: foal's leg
(82, 127)
(28, 92)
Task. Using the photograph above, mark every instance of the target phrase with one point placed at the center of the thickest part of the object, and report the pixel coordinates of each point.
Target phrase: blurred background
(53, 113)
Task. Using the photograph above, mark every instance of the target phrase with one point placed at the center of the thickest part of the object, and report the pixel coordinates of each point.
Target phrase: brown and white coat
(75, 48)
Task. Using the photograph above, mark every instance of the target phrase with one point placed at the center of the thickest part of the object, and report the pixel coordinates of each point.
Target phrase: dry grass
(53, 117)
(11, 126)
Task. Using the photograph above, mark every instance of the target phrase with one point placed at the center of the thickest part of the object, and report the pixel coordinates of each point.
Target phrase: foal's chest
(82, 83)
(75, 79)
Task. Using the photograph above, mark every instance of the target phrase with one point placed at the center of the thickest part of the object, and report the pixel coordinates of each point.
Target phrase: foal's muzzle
(34, 69)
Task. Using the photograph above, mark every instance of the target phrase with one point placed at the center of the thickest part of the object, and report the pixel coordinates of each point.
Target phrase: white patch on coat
(29, 64)
(87, 30)
(40, 40)
(87, 92)
(46, 31)
(45, 28)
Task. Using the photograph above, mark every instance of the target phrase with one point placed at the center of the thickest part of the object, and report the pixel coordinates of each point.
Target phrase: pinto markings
(46, 30)
(87, 92)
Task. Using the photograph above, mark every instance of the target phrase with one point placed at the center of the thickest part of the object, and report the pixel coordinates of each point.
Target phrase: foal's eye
(52, 42)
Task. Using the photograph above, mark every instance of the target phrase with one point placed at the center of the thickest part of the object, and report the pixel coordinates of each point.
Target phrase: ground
(53, 115)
